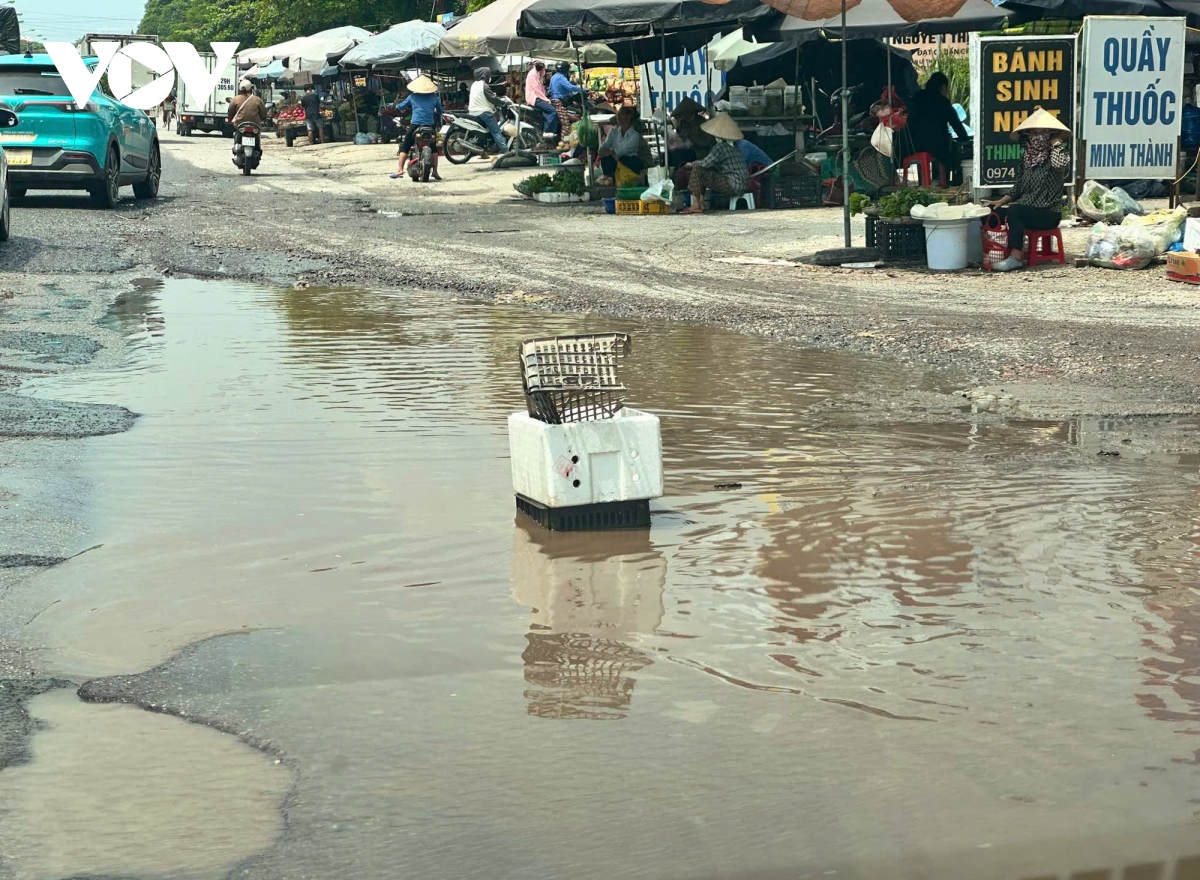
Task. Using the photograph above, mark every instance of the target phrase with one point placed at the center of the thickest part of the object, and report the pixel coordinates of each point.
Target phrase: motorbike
(420, 159)
(466, 136)
(247, 147)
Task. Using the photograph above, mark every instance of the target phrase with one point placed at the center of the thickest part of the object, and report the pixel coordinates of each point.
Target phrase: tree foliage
(264, 22)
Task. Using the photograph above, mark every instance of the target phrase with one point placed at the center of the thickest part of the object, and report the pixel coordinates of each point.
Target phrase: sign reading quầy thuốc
(1013, 77)
(1132, 96)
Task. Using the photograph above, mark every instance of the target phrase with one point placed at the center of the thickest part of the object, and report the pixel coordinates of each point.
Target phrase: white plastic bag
(1096, 202)
(656, 174)
(1121, 247)
(881, 140)
(659, 191)
(1165, 226)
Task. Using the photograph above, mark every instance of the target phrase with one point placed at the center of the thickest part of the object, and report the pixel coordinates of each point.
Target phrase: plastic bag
(627, 177)
(1096, 202)
(1165, 226)
(657, 174)
(362, 139)
(1129, 204)
(1121, 247)
(660, 191)
(881, 140)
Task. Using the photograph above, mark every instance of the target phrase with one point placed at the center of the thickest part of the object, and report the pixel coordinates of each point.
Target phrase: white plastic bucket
(946, 244)
(975, 242)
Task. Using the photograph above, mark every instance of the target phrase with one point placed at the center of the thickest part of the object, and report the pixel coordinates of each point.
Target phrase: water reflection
(591, 603)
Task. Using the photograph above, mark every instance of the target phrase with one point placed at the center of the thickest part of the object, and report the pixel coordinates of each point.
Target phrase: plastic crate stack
(573, 378)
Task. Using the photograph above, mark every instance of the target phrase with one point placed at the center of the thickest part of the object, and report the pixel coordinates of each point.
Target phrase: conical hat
(722, 126)
(1044, 120)
(687, 107)
(423, 85)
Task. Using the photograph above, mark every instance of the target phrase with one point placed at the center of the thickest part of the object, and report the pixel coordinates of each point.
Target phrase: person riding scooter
(426, 108)
(483, 105)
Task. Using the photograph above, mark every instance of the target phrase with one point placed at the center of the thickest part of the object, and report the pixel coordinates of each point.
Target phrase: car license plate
(208, 120)
(19, 157)
(17, 137)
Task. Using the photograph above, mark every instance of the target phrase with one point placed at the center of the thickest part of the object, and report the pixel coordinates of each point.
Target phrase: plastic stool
(748, 198)
(1038, 250)
(924, 163)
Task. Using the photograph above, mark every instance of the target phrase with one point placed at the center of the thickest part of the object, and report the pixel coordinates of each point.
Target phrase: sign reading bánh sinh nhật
(1132, 96)
(1013, 77)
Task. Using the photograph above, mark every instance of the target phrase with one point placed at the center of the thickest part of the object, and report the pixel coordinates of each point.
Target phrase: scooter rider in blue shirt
(561, 87)
(426, 108)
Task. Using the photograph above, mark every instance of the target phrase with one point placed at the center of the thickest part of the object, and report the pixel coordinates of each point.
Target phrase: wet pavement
(857, 638)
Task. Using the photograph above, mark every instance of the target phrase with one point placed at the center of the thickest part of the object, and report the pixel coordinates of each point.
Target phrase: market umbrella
(493, 31)
(806, 19)
(1035, 9)
(397, 45)
(610, 20)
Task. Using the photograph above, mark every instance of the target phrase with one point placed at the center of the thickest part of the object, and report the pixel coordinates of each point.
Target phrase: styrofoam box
(617, 459)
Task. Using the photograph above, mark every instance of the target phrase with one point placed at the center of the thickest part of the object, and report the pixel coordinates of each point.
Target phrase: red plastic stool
(1038, 250)
(924, 163)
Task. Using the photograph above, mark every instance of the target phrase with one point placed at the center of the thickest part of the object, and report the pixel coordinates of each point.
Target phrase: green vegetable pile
(532, 185)
(566, 181)
(901, 202)
(588, 134)
(858, 201)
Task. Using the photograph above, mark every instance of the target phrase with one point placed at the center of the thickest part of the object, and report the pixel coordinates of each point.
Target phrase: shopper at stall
(425, 106)
(482, 106)
(692, 142)
(724, 169)
(624, 145)
(535, 97)
(930, 118)
(1035, 201)
(311, 102)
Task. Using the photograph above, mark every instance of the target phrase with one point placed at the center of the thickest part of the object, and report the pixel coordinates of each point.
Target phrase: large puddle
(895, 649)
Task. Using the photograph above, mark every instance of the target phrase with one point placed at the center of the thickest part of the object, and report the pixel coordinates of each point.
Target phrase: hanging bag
(995, 240)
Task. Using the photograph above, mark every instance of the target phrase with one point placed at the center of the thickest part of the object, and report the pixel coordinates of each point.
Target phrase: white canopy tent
(312, 53)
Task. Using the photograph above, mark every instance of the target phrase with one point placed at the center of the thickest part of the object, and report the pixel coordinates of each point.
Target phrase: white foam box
(617, 459)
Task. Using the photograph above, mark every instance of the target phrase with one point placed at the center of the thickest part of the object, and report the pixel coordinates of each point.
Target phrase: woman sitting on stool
(724, 169)
(623, 145)
(1035, 200)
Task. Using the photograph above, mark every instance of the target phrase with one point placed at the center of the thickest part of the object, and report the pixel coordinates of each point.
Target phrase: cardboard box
(1183, 266)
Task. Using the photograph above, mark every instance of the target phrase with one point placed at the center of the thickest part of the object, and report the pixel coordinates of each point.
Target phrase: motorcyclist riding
(483, 106)
(246, 107)
(426, 109)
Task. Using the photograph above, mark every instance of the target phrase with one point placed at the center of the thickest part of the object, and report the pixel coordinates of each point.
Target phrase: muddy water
(899, 647)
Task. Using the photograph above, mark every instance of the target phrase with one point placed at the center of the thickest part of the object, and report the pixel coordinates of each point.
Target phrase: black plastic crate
(573, 378)
(792, 192)
(584, 517)
(560, 406)
(896, 241)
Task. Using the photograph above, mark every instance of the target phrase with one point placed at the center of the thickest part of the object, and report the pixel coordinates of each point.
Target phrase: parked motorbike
(420, 159)
(467, 137)
(247, 147)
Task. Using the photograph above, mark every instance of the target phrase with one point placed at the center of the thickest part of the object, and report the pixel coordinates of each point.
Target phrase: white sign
(1132, 96)
(687, 77)
(117, 61)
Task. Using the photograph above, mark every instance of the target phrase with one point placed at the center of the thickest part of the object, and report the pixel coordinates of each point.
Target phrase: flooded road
(886, 646)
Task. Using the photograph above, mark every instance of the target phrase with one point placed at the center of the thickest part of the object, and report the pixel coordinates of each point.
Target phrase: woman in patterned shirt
(1035, 200)
(724, 169)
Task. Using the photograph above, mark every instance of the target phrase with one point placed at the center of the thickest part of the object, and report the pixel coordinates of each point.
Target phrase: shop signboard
(1013, 76)
(1132, 96)
(688, 76)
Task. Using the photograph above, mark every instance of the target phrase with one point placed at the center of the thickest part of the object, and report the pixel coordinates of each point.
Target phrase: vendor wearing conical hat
(724, 169)
(692, 142)
(426, 108)
(1035, 201)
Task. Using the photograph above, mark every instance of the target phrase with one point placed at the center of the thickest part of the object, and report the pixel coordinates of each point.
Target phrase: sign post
(685, 77)
(1132, 96)
(1013, 77)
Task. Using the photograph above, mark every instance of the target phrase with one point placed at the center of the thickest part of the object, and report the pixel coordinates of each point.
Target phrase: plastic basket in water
(573, 378)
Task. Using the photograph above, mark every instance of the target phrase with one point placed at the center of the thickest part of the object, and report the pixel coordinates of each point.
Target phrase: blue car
(56, 145)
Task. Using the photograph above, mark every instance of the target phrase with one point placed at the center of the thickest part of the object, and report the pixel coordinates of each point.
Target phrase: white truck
(140, 74)
(207, 112)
